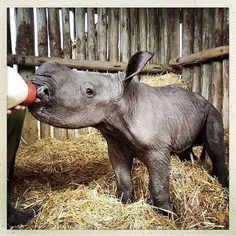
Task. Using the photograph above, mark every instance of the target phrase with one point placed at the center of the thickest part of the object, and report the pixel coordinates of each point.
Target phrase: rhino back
(165, 116)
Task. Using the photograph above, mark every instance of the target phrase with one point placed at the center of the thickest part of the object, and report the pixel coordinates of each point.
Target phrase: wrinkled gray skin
(136, 120)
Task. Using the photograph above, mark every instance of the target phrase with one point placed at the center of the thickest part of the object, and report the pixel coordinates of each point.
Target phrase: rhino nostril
(43, 93)
(46, 91)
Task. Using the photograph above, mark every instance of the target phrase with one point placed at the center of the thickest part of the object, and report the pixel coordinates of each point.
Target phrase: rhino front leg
(121, 161)
(158, 164)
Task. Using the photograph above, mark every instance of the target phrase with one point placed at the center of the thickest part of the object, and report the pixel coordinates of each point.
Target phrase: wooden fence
(112, 35)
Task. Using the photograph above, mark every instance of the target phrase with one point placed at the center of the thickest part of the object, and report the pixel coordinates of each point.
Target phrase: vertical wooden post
(208, 26)
(73, 43)
(174, 32)
(42, 32)
(102, 34)
(161, 36)
(91, 42)
(55, 49)
(225, 105)
(43, 51)
(217, 82)
(142, 29)
(153, 33)
(124, 34)
(143, 32)
(54, 32)
(197, 17)
(80, 33)
(133, 30)
(25, 46)
(67, 50)
(166, 35)
(188, 30)
(113, 33)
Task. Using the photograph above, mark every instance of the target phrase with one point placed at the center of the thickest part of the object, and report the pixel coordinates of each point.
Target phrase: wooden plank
(84, 65)
(73, 42)
(9, 45)
(43, 51)
(207, 38)
(202, 56)
(25, 46)
(166, 35)
(67, 49)
(188, 37)
(225, 105)
(42, 32)
(91, 42)
(153, 33)
(161, 36)
(217, 82)
(174, 32)
(142, 29)
(102, 34)
(55, 49)
(197, 47)
(54, 32)
(113, 33)
(133, 30)
(134, 33)
(124, 34)
(80, 33)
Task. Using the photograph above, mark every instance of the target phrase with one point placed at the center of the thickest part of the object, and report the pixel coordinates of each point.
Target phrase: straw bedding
(74, 184)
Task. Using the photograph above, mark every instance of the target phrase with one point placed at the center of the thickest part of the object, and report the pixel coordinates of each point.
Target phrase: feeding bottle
(19, 92)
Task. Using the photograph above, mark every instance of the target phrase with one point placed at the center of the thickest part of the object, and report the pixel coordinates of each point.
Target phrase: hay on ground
(74, 183)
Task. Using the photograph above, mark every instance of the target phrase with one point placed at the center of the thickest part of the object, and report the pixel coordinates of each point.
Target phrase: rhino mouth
(40, 98)
(37, 85)
(42, 102)
(37, 100)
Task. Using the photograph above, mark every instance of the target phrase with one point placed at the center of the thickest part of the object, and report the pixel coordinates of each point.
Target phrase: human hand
(17, 107)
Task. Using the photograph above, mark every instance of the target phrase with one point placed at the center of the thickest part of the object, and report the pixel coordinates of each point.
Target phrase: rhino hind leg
(215, 147)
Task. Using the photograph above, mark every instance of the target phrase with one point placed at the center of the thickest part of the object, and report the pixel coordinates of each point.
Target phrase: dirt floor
(75, 186)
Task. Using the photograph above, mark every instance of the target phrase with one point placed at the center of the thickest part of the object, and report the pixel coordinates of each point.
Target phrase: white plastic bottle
(18, 91)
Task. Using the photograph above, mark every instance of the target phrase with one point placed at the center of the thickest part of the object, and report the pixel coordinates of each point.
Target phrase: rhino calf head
(72, 99)
(136, 120)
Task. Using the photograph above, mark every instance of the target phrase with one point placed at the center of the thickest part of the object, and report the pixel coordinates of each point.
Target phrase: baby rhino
(136, 120)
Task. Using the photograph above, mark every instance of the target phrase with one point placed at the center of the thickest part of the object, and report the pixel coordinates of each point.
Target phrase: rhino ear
(136, 64)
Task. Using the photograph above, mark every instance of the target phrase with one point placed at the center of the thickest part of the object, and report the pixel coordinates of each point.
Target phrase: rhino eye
(89, 92)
